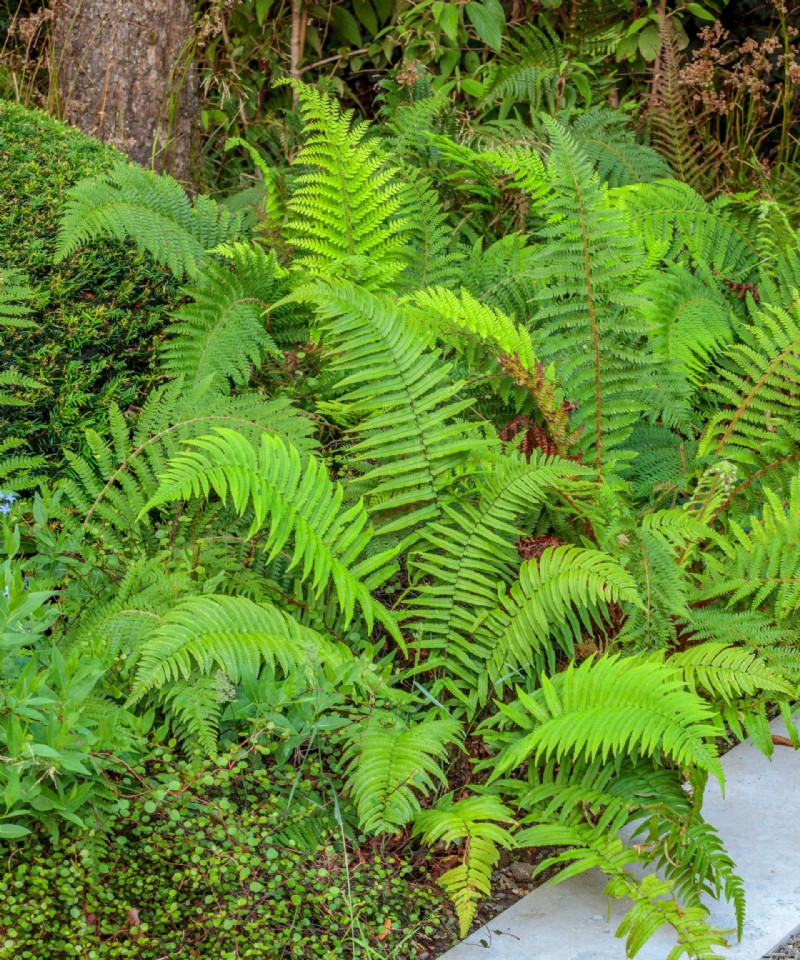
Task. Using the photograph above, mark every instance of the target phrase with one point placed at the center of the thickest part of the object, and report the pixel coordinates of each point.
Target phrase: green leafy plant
(493, 513)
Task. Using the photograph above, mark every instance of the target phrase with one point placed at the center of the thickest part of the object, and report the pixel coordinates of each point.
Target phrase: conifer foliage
(325, 499)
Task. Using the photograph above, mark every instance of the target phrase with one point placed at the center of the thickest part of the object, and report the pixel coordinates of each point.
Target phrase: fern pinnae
(223, 331)
(153, 211)
(612, 705)
(228, 633)
(299, 501)
(344, 210)
(389, 761)
(477, 821)
(405, 401)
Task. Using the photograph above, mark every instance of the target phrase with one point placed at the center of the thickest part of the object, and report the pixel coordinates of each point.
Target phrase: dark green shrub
(97, 313)
(229, 859)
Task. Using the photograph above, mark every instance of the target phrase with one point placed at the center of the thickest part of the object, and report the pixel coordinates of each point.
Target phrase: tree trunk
(125, 76)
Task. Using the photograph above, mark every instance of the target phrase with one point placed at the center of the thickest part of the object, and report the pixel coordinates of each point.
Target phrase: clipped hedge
(98, 314)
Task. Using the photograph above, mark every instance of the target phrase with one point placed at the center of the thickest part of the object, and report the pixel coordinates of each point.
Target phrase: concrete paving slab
(759, 823)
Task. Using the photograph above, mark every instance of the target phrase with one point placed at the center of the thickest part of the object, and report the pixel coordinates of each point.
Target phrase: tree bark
(125, 75)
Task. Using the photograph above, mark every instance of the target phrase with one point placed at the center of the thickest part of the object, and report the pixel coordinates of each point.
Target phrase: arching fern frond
(17, 298)
(760, 567)
(344, 209)
(689, 321)
(447, 311)
(225, 328)
(759, 384)
(298, 501)
(404, 399)
(584, 318)
(475, 821)
(153, 211)
(669, 216)
(390, 761)
(567, 590)
(726, 672)
(467, 556)
(111, 483)
(654, 903)
(606, 707)
(607, 139)
(203, 634)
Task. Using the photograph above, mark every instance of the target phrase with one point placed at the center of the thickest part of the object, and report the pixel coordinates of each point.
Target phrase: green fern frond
(477, 822)
(344, 209)
(18, 468)
(17, 299)
(298, 501)
(432, 255)
(208, 633)
(759, 385)
(404, 399)
(760, 567)
(193, 707)
(584, 270)
(224, 330)
(727, 672)
(110, 485)
(568, 590)
(153, 211)
(653, 898)
(529, 70)
(390, 761)
(467, 557)
(446, 312)
(606, 138)
(611, 706)
(671, 219)
(688, 321)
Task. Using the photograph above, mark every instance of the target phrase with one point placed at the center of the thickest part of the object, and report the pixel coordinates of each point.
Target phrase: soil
(789, 951)
(512, 880)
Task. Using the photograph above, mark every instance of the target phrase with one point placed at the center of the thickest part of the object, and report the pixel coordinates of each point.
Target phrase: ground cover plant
(464, 517)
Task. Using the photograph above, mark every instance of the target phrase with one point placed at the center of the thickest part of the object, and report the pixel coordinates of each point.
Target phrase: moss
(98, 313)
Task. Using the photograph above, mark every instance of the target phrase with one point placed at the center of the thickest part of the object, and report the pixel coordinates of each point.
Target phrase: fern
(528, 71)
(404, 399)
(584, 306)
(344, 209)
(153, 211)
(761, 567)
(206, 633)
(689, 322)
(466, 558)
(727, 672)
(477, 822)
(224, 330)
(432, 256)
(672, 220)
(759, 385)
(612, 705)
(298, 500)
(389, 761)
(568, 590)
(671, 117)
(606, 138)
(110, 485)
(17, 299)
